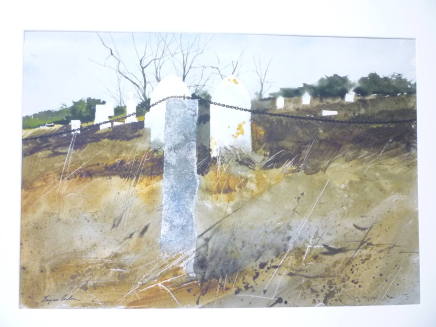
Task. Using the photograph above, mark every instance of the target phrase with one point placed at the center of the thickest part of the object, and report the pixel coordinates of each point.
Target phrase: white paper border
(411, 19)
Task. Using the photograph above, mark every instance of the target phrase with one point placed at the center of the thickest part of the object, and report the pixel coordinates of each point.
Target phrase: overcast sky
(60, 67)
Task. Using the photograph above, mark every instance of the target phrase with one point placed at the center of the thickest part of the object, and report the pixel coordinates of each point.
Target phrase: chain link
(255, 112)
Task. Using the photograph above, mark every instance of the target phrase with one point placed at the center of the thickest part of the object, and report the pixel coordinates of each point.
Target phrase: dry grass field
(307, 223)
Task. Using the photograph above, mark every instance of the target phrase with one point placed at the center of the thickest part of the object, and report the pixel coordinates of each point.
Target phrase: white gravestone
(349, 97)
(305, 99)
(280, 102)
(155, 118)
(75, 124)
(109, 110)
(329, 113)
(180, 180)
(131, 110)
(102, 113)
(230, 128)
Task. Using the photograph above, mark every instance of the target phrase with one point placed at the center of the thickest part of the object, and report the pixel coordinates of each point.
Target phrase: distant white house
(305, 99)
(280, 102)
(349, 97)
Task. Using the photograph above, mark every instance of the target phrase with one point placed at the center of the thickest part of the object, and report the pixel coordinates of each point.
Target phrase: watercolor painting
(167, 170)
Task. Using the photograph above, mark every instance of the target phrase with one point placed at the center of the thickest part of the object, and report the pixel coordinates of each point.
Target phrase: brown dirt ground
(331, 227)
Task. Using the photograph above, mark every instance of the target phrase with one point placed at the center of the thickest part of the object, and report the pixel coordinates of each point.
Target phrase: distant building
(305, 99)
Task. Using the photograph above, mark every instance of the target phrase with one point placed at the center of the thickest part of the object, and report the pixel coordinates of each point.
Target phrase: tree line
(339, 86)
(83, 109)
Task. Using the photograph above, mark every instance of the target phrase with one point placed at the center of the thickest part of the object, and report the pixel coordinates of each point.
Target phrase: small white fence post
(75, 124)
(180, 180)
(230, 128)
(155, 118)
(329, 112)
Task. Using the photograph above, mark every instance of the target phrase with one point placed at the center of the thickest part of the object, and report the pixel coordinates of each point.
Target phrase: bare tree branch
(231, 68)
(201, 80)
(140, 82)
(218, 68)
(118, 64)
(261, 73)
(187, 54)
(154, 54)
(236, 64)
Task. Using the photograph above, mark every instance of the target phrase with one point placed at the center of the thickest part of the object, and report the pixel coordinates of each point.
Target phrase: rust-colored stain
(149, 189)
(239, 130)
(258, 132)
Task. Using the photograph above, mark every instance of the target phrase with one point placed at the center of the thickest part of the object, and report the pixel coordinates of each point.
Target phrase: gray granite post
(180, 180)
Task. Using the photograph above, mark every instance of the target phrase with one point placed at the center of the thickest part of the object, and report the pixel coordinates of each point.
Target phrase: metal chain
(255, 112)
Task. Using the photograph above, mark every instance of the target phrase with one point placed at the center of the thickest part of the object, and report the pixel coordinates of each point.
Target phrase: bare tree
(154, 55)
(162, 53)
(218, 68)
(117, 95)
(223, 70)
(185, 56)
(201, 81)
(261, 72)
(141, 79)
(235, 65)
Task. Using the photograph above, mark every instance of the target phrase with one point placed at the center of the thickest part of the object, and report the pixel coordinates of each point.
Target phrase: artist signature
(49, 299)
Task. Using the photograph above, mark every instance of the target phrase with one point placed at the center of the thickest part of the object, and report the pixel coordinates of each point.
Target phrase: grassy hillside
(47, 116)
(316, 216)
